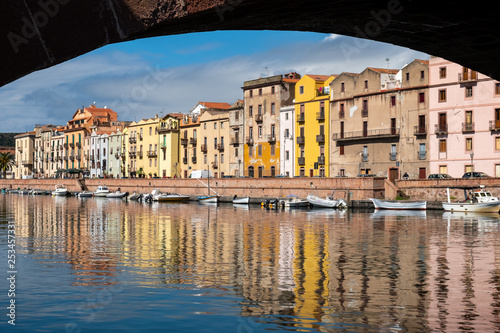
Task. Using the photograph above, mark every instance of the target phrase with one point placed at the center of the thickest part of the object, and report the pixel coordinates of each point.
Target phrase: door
(393, 174)
(422, 173)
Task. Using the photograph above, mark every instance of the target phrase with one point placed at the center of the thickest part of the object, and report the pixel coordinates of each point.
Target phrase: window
(260, 91)
(393, 101)
(421, 97)
(260, 131)
(273, 90)
(407, 76)
(422, 75)
(442, 95)
(468, 144)
(150, 130)
(497, 143)
(287, 133)
(250, 111)
(341, 110)
(366, 84)
(273, 108)
(221, 158)
(251, 93)
(259, 150)
(497, 88)
(342, 87)
(443, 169)
(273, 149)
(442, 146)
(421, 151)
(215, 125)
(301, 90)
(236, 152)
(341, 150)
(287, 154)
(442, 72)
(468, 92)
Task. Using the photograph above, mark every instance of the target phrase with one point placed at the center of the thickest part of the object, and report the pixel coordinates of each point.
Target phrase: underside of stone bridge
(37, 34)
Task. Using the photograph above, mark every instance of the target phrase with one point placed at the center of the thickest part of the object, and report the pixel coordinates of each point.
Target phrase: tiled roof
(384, 70)
(215, 105)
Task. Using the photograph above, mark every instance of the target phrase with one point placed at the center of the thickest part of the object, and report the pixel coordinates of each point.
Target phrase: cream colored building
(378, 121)
(236, 146)
(25, 150)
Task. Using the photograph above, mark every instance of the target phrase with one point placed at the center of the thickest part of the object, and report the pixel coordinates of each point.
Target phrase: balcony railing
(422, 155)
(364, 157)
(420, 130)
(132, 139)
(301, 117)
(193, 159)
(259, 118)
(152, 153)
(494, 125)
(301, 160)
(271, 138)
(220, 147)
(301, 140)
(440, 129)
(78, 144)
(320, 138)
(364, 113)
(131, 154)
(467, 127)
(193, 141)
(203, 148)
(392, 156)
(184, 141)
(321, 160)
(185, 160)
(249, 141)
(214, 165)
(372, 134)
(163, 145)
(320, 115)
(235, 140)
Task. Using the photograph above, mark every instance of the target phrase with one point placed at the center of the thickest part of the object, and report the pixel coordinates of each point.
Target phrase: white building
(287, 141)
(115, 154)
(99, 142)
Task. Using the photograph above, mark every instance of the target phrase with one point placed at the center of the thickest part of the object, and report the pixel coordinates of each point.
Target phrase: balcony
(193, 159)
(140, 137)
(321, 160)
(467, 77)
(440, 129)
(184, 160)
(193, 141)
(65, 145)
(271, 138)
(235, 140)
(301, 117)
(131, 154)
(364, 113)
(167, 128)
(422, 155)
(78, 144)
(184, 141)
(467, 127)
(320, 138)
(249, 141)
(20, 149)
(152, 153)
(78, 157)
(392, 156)
(494, 125)
(139, 154)
(72, 157)
(320, 115)
(214, 165)
(259, 118)
(132, 139)
(26, 162)
(117, 156)
(341, 114)
(301, 160)
(420, 130)
(220, 147)
(364, 157)
(366, 134)
(203, 148)
(163, 145)
(301, 140)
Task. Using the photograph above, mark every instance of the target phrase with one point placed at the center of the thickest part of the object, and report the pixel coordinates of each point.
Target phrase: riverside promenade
(355, 189)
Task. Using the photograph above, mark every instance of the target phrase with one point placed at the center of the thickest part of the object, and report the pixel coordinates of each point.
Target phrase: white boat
(101, 192)
(116, 195)
(241, 200)
(209, 199)
(86, 194)
(294, 202)
(399, 205)
(478, 201)
(168, 197)
(326, 202)
(135, 196)
(60, 191)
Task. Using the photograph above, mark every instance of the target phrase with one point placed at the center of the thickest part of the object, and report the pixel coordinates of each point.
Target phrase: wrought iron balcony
(440, 129)
(320, 138)
(301, 140)
(203, 148)
(301, 160)
(249, 141)
(420, 130)
(271, 138)
(467, 127)
(259, 118)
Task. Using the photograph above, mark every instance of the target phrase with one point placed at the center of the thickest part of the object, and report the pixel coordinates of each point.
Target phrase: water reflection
(314, 269)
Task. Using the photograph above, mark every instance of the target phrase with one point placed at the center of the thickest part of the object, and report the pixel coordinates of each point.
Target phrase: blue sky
(141, 78)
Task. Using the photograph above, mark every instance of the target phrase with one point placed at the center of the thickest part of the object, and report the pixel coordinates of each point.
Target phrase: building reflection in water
(298, 269)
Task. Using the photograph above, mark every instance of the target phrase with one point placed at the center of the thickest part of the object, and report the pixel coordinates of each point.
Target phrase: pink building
(464, 115)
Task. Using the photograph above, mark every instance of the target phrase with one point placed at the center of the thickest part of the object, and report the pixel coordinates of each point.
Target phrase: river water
(96, 265)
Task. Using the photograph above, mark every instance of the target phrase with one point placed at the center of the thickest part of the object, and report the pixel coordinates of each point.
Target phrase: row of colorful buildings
(431, 116)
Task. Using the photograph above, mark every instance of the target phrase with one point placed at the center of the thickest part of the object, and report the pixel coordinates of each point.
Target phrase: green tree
(6, 162)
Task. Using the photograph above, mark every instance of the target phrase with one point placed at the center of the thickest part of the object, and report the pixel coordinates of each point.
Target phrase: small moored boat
(400, 205)
(60, 191)
(241, 200)
(209, 199)
(101, 192)
(294, 202)
(117, 195)
(478, 201)
(85, 194)
(326, 202)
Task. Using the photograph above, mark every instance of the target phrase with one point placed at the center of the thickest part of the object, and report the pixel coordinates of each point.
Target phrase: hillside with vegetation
(7, 139)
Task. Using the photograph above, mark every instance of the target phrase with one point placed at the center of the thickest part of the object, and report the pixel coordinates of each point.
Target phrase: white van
(200, 174)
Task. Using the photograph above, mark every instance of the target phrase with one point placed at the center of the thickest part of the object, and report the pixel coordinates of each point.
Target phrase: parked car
(439, 175)
(474, 174)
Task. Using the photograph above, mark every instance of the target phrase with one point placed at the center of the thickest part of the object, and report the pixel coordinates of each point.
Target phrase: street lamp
(472, 161)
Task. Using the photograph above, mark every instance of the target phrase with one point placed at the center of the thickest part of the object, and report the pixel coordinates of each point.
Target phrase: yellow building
(263, 98)
(146, 147)
(214, 136)
(169, 135)
(312, 125)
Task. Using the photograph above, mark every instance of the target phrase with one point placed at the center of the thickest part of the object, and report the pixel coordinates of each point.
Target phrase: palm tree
(6, 162)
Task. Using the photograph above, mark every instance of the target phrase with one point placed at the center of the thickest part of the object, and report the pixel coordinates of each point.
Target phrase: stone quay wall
(358, 188)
